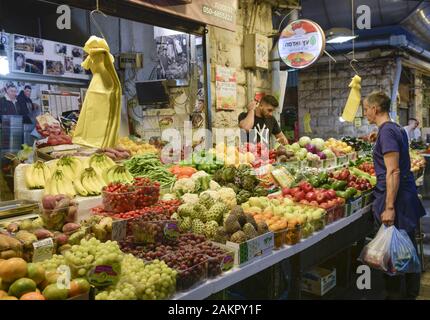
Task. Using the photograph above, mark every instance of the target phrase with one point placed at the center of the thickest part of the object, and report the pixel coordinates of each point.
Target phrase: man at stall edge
(259, 122)
(396, 196)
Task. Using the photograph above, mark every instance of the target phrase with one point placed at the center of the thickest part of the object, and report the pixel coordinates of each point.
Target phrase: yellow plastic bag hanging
(99, 120)
(353, 101)
(307, 122)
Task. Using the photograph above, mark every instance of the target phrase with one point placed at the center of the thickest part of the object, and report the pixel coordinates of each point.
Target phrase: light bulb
(4, 65)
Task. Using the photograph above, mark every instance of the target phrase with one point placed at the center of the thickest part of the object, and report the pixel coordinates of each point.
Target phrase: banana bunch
(36, 175)
(90, 183)
(101, 162)
(117, 173)
(60, 184)
(70, 166)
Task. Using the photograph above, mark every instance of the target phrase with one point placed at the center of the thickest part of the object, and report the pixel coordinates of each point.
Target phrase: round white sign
(301, 43)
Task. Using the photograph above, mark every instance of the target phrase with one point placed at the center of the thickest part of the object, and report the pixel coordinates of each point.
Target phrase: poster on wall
(301, 43)
(173, 56)
(226, 88)
(44, 57)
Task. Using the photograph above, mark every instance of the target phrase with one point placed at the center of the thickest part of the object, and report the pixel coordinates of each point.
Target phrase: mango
(22, 286)
(53, 292)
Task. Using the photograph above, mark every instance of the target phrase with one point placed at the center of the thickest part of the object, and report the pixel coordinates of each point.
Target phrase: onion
(311, 148)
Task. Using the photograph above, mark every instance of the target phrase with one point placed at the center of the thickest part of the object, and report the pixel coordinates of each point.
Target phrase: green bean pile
(150, 166)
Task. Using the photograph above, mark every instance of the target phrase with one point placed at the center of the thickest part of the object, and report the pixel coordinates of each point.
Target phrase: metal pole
(207, 71)
(396, 88)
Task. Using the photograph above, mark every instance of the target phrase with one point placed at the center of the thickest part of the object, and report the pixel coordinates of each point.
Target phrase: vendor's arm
(280, 136)
(282, 139)
(391, 160)
(247, 123)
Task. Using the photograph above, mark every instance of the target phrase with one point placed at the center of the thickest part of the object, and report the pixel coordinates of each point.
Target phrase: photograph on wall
(27, 95)
(173, 57)
(45, 57)
(55, 68)
(60, 49)
(68, 63)
(34, 66)
(22, 43)
(77, 69)
(19, 62)
(38, 47)
(77, 52)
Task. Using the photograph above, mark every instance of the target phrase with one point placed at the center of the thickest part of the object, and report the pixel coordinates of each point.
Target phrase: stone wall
(227, 49)
(314, 94)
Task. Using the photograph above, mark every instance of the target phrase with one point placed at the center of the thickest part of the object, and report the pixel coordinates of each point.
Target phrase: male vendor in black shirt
(259, 122)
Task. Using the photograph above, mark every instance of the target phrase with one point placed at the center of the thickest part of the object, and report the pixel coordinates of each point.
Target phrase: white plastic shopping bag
(377, 253)
(391, 251)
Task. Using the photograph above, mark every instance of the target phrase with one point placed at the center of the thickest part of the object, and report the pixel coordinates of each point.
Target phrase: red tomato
(311, 196)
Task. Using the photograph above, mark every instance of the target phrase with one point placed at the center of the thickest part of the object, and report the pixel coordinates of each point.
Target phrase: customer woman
(396, 197)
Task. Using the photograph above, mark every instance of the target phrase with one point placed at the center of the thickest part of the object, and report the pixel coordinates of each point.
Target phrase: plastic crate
(153, 231)
(279, 238)
(293, 235)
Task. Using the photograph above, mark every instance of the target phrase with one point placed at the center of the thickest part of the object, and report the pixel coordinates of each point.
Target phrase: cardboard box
(250, 250)
(319, 281)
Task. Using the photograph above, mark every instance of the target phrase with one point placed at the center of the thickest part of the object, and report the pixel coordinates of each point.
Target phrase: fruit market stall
(199, 225)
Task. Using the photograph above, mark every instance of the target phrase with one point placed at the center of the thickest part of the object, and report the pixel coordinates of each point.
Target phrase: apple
(304, 201)
(324, 205)
(294, 190)
(320, 197)
(314, 203)
(331, 194)
(286, 191)
(306, 186)
(311, 196)
(299, 196)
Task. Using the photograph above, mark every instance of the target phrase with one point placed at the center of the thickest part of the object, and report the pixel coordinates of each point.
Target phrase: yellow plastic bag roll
(353, 101)
(99, 120)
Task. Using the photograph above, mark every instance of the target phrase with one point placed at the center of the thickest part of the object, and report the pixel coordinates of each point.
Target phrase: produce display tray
(17, 208)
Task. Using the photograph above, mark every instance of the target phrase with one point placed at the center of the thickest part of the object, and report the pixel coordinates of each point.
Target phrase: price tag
(42, 250)
(104, 275)
(119, 230)
(356, 205)
(171, 230)
(227, 262)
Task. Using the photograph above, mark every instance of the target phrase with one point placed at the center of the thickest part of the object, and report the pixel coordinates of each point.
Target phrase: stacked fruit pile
(31, 281)
(136, 148)
(122, 198)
